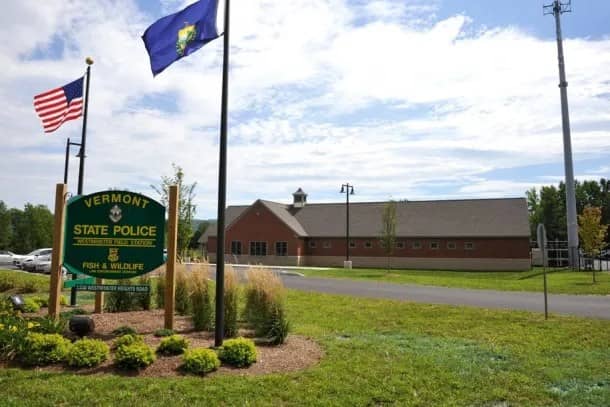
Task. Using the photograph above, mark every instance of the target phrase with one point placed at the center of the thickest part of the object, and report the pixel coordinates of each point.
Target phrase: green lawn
(559, 282)
(378, 352)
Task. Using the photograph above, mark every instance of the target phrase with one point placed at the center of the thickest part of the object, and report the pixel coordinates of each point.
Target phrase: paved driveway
(594, 306)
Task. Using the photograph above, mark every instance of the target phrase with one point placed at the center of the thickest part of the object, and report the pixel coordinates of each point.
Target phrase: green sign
(113, 288)
(114, 234)
(73, 283)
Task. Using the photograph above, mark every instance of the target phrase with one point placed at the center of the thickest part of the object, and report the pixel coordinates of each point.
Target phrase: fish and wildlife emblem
(185, 36)
(113, 254)
(115, 214)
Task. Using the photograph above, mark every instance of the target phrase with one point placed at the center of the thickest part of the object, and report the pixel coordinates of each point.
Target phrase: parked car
(29, 258)
(44, 265)
(6, 257)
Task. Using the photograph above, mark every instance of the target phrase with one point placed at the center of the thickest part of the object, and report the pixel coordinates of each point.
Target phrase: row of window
(281, 248)
(415, 245)
(259, 248)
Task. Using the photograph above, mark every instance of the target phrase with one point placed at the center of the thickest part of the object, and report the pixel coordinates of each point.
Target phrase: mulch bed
(296, 353)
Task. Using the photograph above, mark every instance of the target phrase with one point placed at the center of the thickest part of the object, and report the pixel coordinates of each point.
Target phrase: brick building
(472, 234)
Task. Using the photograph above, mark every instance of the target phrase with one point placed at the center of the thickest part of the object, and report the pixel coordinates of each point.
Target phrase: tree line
(548, 205)
(22, 231)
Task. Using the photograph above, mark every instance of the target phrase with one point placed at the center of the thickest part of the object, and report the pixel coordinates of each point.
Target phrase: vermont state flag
(180, 34)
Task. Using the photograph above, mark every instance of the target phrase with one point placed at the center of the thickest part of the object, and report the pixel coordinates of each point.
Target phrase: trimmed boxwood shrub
(126, 340)
(239, 352)
(164, 332)
(44, 349)
(135, 356)
(124, 330)
(200, 361)
(173, 345)
(87, 353)
(30, 305)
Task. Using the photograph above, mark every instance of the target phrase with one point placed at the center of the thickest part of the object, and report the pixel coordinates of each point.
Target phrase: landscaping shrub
(41, 301)
(22, 283)
(124, 330)
(201, 300)
(173, 345)
(13, 331)
(182, 300)
(231, 294)
(30, 305)
(160, 291)
(6, 307)
(87, 353)
(134, 356)
(49, 325)
(126, 340)
(43, 349)
(121, 301)
(239, 352)
(200, 361)
(277, 326)
(164, 332)
(6, 283)
(63, 300)
(143, 300)
(265, 305)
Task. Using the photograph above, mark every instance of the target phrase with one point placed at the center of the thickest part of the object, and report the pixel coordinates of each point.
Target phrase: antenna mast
(557, 8)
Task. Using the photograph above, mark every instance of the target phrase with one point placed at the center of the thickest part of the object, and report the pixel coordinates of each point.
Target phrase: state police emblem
(115, 214)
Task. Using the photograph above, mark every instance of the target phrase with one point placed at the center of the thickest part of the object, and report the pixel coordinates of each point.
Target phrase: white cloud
(381, 93)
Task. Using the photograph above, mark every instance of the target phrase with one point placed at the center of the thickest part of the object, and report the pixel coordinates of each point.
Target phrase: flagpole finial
(89, 61)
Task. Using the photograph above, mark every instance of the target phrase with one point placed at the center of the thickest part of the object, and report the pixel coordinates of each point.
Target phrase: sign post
(541, 232)
(113, 235)
(172, 237)
(54, 303)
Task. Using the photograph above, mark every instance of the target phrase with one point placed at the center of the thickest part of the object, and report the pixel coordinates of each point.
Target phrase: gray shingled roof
(505, 217)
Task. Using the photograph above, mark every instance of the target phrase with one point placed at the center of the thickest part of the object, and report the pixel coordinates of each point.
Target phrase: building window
(469, 246)
(434, 245)
(400, 245)
(451, 245)
(258, 248)
(235, 247)
(352, 244)
(416, 245)
(281, 248)
(312, 244)
(368, 244)
(326, 244)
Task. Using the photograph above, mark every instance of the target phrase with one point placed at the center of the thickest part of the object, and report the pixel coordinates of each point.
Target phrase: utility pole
(557, 8)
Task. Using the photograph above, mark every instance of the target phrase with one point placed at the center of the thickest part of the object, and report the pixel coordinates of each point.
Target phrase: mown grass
(378, 352)
(559, 281)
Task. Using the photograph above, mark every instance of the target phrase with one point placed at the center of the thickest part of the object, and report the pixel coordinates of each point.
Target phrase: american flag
(59, 105)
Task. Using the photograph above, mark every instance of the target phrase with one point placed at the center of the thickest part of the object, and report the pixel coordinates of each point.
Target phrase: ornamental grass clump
(173, 345)
(265, 309)
(135, 356)
(200, 361)
(44, 349)
(87, 353)
(13, 333)
(230, 300)
(160, 290)
(182, 299)
(201, 301)
(238, 352)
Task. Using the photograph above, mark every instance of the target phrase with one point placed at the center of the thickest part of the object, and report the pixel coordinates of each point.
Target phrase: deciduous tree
(592, 232)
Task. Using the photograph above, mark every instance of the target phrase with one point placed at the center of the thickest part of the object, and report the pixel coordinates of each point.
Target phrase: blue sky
(421, 99)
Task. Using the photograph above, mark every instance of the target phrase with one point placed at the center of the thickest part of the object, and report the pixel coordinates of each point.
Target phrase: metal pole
(567, 144)
(66, 161)
(81, 167)
(347, 223)
(222, 182)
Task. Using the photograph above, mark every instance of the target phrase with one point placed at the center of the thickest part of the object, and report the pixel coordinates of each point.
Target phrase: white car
(25, 263)
(6, 257)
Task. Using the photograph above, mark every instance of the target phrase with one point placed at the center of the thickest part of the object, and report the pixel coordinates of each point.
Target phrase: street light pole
(348, 190)
(67, 161)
